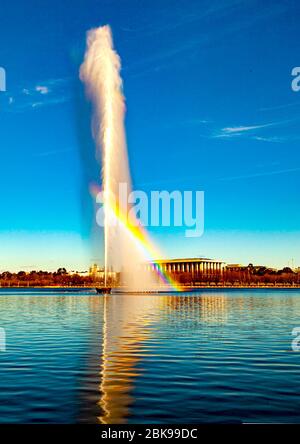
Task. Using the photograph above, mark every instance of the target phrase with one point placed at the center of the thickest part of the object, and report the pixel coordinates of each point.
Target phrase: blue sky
(209, 107)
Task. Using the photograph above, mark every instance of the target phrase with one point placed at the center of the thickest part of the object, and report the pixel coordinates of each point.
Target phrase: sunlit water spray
(126, 246)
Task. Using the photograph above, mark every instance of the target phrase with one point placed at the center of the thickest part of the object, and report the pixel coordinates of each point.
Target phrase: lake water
(211, 356)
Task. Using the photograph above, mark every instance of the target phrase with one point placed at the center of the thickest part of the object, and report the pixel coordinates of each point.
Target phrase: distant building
(191, 269)
(95, 270)
(251, 268)
(97, 273)
(236, 267)
(82, 273)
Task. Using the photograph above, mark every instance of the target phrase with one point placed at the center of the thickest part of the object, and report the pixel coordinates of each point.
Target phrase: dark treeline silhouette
(43, 279)
(248, 275)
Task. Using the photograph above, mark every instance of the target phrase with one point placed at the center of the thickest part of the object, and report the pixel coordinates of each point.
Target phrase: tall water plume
(100, 72)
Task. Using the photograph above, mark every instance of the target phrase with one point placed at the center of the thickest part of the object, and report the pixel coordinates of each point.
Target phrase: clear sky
(209, 107)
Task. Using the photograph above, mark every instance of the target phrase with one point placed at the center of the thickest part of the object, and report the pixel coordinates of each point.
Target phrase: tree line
(43, 279)
(249, 275)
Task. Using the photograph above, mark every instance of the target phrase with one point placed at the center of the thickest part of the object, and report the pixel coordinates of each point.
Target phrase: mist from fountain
(100, 72)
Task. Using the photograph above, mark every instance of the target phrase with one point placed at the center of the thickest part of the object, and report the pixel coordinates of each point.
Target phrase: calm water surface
(212, 356)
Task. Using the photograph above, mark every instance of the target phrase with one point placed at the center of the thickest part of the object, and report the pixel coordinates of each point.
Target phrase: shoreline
(182, 289)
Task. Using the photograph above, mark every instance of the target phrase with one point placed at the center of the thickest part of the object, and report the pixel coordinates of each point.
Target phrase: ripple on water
(216, 356)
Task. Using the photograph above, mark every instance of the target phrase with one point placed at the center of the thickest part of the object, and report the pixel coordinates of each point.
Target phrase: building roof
(184, 260)
(236, 266)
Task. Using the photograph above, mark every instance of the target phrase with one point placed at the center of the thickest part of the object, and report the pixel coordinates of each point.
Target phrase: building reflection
(130, 332)
(205, 308)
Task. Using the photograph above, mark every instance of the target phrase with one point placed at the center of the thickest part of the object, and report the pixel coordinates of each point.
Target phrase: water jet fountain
(126, 244)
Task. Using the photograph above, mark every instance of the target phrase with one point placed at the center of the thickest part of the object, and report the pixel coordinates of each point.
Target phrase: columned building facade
(193, 269)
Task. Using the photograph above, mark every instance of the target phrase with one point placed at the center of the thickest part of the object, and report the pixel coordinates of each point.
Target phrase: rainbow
(140, 237)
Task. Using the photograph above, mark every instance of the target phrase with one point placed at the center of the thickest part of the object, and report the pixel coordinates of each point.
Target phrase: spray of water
(100, 72)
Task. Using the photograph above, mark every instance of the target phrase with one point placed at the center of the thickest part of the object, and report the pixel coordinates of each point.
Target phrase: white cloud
(241, 129)
(46, 93)
(233, 131)
(269, 139)
(42, 89)
(36, 104)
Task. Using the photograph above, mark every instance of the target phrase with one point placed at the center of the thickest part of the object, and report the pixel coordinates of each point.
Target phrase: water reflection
(126, 329)
(215, 356)
(129, 335)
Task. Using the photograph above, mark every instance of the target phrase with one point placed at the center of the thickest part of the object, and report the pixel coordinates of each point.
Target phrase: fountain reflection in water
(215, 356)
(127, 330)
(130, 335)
